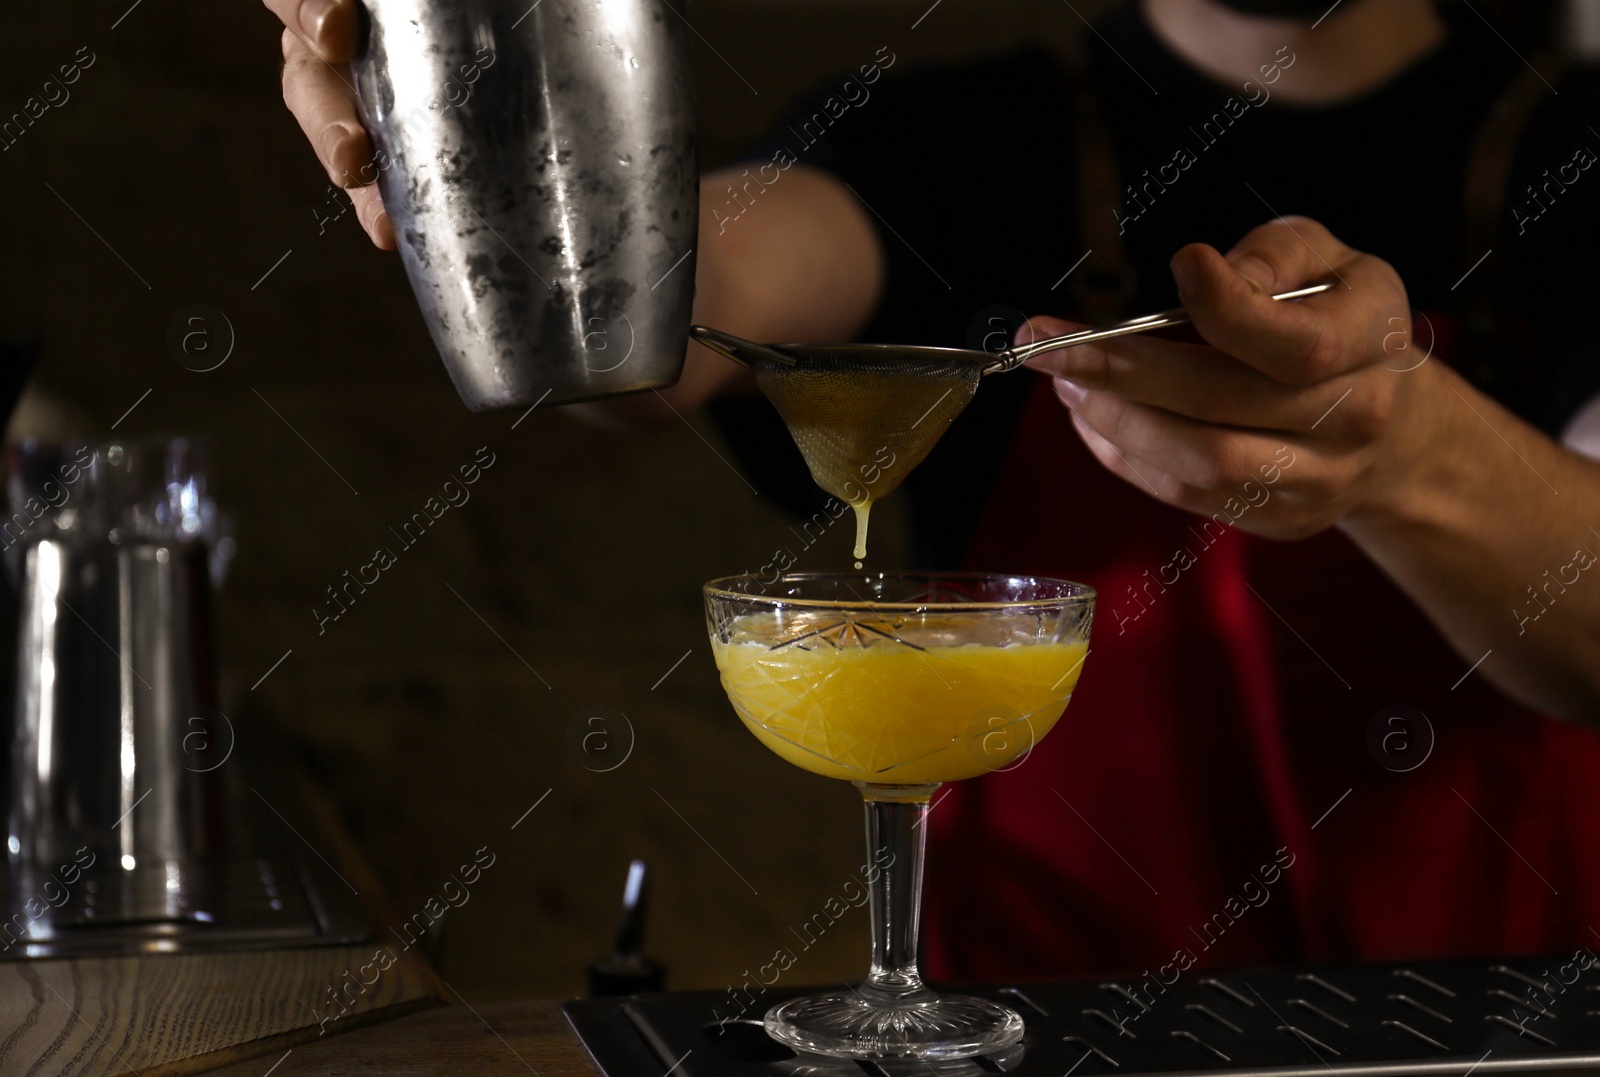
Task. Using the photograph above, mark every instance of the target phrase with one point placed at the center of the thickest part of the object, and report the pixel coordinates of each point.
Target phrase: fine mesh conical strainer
(863, 418)
(865, 415)
(863, 421)
(862, 415)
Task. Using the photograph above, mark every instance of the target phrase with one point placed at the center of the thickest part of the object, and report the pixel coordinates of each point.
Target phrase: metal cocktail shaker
(538, 162)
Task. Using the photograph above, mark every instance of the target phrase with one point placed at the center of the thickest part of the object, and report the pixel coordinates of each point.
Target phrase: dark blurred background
(173, 176)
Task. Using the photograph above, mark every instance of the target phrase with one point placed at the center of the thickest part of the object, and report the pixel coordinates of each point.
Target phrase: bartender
(1346, 666)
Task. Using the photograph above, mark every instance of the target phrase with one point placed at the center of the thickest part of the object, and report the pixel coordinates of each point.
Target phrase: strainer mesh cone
(863, 423)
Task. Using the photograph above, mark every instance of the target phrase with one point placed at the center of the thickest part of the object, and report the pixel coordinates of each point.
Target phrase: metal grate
(265, 889)
(1436, 1017)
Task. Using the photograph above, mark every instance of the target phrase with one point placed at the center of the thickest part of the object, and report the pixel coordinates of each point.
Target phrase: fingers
(331, 29)
(325, 107)
(1188, 379)
(1257, 476)
(1195, 424)
(1296, 342)
(1193, 454)
(374, 221)
(1162, 486)
(1286, 253)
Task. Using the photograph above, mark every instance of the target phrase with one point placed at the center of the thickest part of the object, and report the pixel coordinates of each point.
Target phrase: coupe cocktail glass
(898, 683)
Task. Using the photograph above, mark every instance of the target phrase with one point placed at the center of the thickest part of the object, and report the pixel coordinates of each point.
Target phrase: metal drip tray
(1525, 1014)
(265, 888)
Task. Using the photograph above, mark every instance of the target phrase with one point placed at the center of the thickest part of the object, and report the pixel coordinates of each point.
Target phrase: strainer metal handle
(739, 349)
(1014, 357)
(785, 355)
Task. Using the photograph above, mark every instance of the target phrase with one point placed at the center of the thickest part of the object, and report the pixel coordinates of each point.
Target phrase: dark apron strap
(1493, 149)
(1490, 330)
(1103, 286)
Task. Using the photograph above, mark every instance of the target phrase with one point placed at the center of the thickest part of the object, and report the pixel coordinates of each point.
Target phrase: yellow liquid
(863, 509)
(893, 714)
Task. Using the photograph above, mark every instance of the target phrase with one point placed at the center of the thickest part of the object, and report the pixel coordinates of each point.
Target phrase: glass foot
(923, 1026)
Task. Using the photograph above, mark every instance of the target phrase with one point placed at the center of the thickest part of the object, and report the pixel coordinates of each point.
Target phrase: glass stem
(896, 831)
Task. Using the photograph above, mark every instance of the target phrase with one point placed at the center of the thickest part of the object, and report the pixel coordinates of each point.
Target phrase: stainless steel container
(112, 801)
(538, 163)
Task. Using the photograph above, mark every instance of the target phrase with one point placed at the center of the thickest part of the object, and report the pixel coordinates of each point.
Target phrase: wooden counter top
(160, 1015)
(506, 1038)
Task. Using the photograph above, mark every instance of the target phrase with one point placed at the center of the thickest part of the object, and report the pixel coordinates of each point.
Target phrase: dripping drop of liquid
(862, 509)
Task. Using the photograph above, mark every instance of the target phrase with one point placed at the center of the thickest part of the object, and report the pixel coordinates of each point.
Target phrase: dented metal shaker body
(538, 162)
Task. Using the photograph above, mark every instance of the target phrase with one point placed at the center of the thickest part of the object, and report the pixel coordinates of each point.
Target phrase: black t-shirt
(968, 170)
